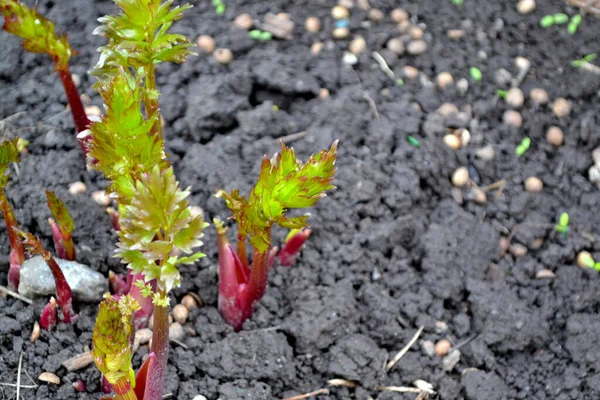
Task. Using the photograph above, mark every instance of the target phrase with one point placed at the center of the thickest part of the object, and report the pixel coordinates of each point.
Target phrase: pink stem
(79, 117)
(157, 369)
(292, 247)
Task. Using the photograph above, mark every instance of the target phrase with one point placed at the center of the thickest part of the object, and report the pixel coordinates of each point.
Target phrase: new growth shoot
(523, 147)
(62, 227)
(283, 183)
(563, 224)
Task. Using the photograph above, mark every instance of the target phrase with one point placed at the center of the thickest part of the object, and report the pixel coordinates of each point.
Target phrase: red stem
(79, 117)
(258, 276)
(241, 250)
(63, 290)
(123, 390)
(157, 370)
(11, 225)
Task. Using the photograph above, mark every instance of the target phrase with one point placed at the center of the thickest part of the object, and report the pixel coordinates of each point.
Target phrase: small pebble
(196, 211)
(284, 15)
(515, 98)
(180, 313)
(404, 26)
(206, 43)
(416, 47)
(416, 33)
(396, 46)
(77, 188)
(462, 86)
(486, 153)
(533, 184)
(93, 111)
(555, 136)
(504, 245)
(312, 24)
(428, 348)
(375, 275)
(142, 336)
(455, 34)
(85, 99)
(441, 327)
(539, 96)
(341, 33)
(244, 21)
(447, 109)
(525, 6)
(346, 3)
(189, 302)
(442, 347)
(502, 77)
(536, 244)
(357, 45)
(35, 332)
(596, 155)
(49, 377)
(101, 198)
(584, 258)
(522, 63)
(349, 58)
(460, 177)
(409, 72)
(323, 93)
(545, 274)
(464, 135)
(176, 331)
(223, 56)
(478, 196)
(76, 79)
(199, 397)
(561, 107)
(340, 12)
(444, 79)
(450, 361)
(457, 195)
(594, 173)
(376, 15)
(399, 15)
(512, 118)
(452, 141)
(517, 250)
(316, 48)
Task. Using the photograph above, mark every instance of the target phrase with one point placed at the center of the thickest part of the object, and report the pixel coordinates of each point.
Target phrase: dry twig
(590, 6)
(383, 65)
(78, 362)
(342, 382)
(293, 137)
(402, 352)
(372, 104)
(16, 295)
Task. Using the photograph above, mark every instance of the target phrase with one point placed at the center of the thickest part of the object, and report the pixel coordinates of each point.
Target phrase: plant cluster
(157, 230)
(560, 19)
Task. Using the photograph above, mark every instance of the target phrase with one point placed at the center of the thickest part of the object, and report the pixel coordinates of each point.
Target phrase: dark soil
(391, 249)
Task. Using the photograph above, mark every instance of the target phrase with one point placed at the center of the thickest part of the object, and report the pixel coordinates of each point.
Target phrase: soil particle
(357, 358)
(243, 390)
(481, 385)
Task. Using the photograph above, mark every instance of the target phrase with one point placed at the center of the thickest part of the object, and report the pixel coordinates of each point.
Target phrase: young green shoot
(574, 24)
(458, 2)
(560, 18)
(9, 154)
(62, 227)
(413, 141)
(523, 147)
(501, 93)
(547, 21)
(587, 59)
(563, 225)
(475, 74)
(39, 36)
(259, 35)
(284, 183)
(219, 6)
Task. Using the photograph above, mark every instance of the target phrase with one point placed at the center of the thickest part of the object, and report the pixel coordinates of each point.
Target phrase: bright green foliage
(155, 225)
(523, 147)
(60, 213)
(563, 224)
(574, 24)
(561, 18)
(37, 31)
(283, 183)
(113, 337)
(475, 74)
(138, 36)
(8, 154)
(123, 144)
(585, 59)
(547, 21)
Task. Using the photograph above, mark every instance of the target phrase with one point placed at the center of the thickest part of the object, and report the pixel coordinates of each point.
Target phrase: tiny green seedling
(399, 82)
(458, 2)
(563, 225)
(574, 24)
(523, 146)
(259, 35)
(414, 142)
(476, 74)
(501, 93)
(547, 21)
(560, 19)
(584, 60)
(219, 6)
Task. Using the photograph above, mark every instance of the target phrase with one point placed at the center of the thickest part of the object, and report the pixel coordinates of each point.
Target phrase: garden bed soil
(391, 250)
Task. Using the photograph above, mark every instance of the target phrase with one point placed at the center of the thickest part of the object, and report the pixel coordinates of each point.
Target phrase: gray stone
(37, 280)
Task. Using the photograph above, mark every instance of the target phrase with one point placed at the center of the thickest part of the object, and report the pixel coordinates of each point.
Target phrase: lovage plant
(283, 183)
(157, 229)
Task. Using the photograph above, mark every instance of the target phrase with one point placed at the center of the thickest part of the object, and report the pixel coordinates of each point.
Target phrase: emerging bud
(293, 244)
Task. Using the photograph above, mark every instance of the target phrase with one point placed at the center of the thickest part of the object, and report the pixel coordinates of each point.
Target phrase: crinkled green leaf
(60, 213)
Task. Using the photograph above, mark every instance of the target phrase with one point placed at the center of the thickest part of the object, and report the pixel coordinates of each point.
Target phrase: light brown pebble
(323, 93)
(428, 348)
(101, 198)
(341, 33)
(517, 250)
(525, 6)
(561, 107)
(142, 336)
(49, 377)
(340, 12)
(316, 48)
(409, 72)
(478, 196)
(404, 27)
(176, 331)
(76, 79)
(284, 15)
(584, 259)
(460, 177)
(416, 47)
(223, 56)
(486, 153)
(35, 332)
(596, 155)
(536, 244)
(243, 21)
(443, 79)
(504, 245)
(189, 302)
(396, 46)
(452, 141)
(376, 15)
(512, 118)
(416, 33)
(77, 188)
(180, 314)
(522, 63)
(357, 45)
(206, 43)
(440, 327)
(455, 34)
(85, 99)
(447, 109)
(464, 135)
(457, 195)
(539, 96)
(93, 111)
(312, 24)
(399, 15)
(442, 347)
(346, 3)
(555, 136)
(533, 184)
(196, 211)
(545, 274)
(514, 98)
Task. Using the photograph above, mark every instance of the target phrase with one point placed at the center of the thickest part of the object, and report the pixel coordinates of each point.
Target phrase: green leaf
(8, 154)
(60, 213)
(564, 219)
